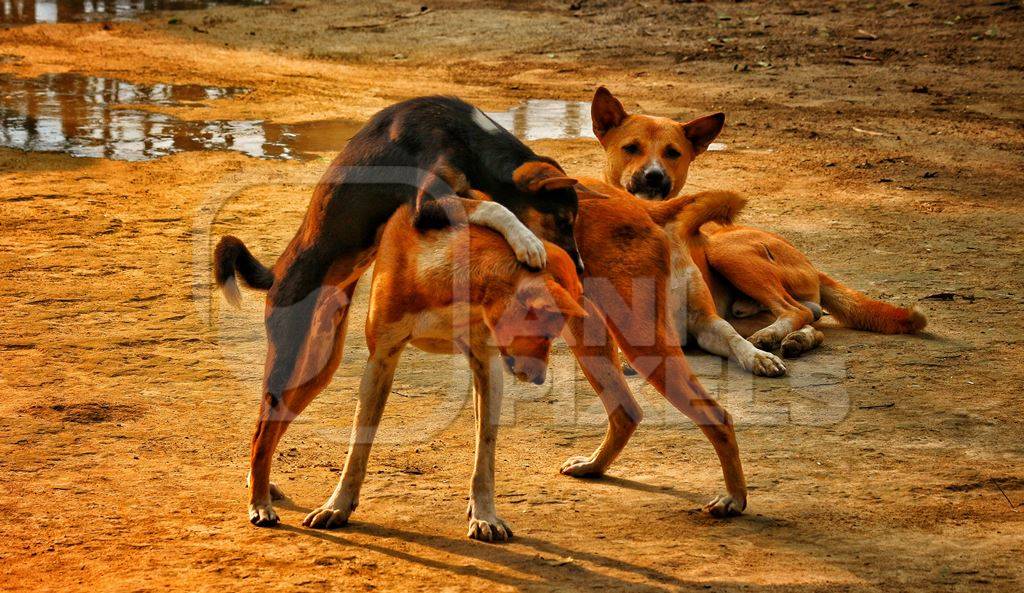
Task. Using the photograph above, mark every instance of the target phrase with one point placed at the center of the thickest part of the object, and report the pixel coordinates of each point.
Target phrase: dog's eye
(672, 153)
(632, 148)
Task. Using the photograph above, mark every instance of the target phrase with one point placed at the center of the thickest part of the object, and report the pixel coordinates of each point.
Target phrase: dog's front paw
(725, 506)
(263, 515)
(581, 467)
(528, 248)
(331, 514)
(327, 517)
(766, 364)
(491, 529)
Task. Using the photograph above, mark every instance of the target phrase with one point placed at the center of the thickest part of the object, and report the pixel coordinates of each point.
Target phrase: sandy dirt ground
(879, 464)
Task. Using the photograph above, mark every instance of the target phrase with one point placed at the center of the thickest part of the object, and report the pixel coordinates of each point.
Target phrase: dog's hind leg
(315, 362)
(767, 288)
(804, 339)
(665, 367)
(373, 394)
(484, 523)
(773, 273)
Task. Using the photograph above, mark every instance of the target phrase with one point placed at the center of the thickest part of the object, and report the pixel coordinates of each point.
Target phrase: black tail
(231, 257)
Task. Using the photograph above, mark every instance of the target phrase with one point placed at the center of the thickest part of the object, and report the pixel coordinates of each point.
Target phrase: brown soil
(880, 463)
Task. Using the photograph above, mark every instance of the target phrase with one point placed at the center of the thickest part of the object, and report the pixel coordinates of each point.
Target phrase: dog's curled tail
(231, 257)
(857, 310)
(692, 212)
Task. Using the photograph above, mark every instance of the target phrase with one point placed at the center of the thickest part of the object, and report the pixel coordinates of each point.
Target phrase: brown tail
(857, 310)
(692, 212)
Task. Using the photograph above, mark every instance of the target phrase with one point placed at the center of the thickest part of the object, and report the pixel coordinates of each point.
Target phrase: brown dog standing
(455, 289)
(407, 154)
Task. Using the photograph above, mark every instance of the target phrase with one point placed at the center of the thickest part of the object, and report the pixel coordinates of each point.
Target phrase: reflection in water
(65, 11)
(86, 116)
(548, 118)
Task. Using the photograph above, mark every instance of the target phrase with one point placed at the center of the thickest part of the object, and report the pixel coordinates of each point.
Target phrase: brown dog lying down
(455, 290)
(766, 287)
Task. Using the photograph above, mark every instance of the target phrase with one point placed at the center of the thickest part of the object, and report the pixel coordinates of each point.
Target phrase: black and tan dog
(408, 153)
(448, 291)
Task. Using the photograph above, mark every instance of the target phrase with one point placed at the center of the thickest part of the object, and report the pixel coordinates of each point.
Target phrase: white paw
(263, 515)
(328, 517)
(766, 364)
(528, 248)
(581, 467)
(725, 506)
(490, 529)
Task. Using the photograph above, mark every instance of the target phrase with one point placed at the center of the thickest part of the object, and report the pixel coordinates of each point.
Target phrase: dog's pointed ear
(536, 176)
(566, 305)
(553, 298)
(550, 297)
(606, 112)
(703, 130)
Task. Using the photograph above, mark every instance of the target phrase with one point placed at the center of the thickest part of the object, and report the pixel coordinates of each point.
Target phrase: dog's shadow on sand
(530, 563)
(546, 566)
(543, 566)
(672, 491)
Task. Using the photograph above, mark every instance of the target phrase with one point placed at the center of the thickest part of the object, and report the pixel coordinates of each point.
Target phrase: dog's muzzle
(650, 184)
(528, 373)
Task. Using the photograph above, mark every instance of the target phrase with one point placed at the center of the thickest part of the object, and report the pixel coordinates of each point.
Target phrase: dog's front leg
(527, 247)
(484, 523)
(713, 333)
(599, 361)
(716, 336)
(373, 394)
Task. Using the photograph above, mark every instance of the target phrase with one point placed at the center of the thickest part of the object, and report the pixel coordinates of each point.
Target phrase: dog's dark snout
(654, 178)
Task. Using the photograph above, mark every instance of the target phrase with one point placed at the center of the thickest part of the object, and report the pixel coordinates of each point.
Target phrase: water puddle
(97, 117)
(24, 12)
(89, 116)
(539, 119)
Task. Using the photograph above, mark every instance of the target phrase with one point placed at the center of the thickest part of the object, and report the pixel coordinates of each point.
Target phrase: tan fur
(778, 284)
(637, 143)
(458, 289)
(749, 263)
(630, 259)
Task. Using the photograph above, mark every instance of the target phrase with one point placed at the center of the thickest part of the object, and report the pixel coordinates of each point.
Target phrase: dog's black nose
(654, 178)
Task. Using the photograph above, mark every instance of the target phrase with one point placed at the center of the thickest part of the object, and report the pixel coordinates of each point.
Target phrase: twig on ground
(1013, 507)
